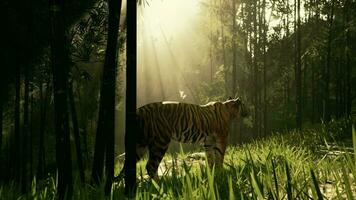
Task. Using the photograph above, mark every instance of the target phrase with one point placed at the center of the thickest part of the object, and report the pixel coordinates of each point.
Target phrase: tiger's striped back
(188, 123)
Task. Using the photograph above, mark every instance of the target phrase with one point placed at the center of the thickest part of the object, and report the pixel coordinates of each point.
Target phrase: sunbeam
(166, 43)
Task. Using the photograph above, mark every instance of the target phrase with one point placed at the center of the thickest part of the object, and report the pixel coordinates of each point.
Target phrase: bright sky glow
(173, 15)
(166, 42)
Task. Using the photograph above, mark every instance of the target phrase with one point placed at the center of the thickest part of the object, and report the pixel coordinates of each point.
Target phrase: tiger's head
(236, 107)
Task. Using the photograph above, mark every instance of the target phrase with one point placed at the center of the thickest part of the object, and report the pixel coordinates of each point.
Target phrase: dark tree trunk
(255, 70)
(16, 145)
(31, 135)
(342, 86)
(84, 134)
(60, 64)
(1, 119)
(287, 78)
(223, 50)
(25, 131)
(211, 43)
(99, 152)
(76, 132)
(326, 100)
(298, 72)
(343, 68)
(234, 65)
(233, 45)
(247, 56)
(131, 123)
(105, 135)
(338, 88)
(313, 93)
(264, 29)
(348, 98)
(41, 168)
(304, 85)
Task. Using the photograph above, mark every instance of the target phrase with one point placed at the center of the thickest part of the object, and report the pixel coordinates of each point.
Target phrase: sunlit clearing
(167, 46)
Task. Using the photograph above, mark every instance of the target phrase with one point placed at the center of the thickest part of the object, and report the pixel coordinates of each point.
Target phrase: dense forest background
(291, 62)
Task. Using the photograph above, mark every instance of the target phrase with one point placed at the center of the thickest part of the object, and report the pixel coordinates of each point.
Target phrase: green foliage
(214, 90)
(337, 129)
(284, 166)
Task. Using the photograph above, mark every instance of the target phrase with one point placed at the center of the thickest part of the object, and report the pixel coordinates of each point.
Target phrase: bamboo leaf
(231, 190)
(354, 142)
(289, 183)
(346, 180)
(316, 185)
(275, 178)
(255, 185)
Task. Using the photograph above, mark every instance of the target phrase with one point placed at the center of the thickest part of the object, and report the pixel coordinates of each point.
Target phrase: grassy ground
(284, 166)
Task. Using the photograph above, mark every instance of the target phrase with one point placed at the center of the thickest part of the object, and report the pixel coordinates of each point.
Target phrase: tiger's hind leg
(219, 149)
(156, 153)
(209, 145)
(140, 152)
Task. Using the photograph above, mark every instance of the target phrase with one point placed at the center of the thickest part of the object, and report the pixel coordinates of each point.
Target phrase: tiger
(162, 122)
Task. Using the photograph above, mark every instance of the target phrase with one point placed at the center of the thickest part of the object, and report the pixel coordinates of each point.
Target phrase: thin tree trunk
(338, 88)
(41, 168)
(85, 141)
(265, 29)
(31, 135)
(105, 135)
(1, 118)
(260, 57)
(25, 132)
(298, 72)
(313, 92)
(246, 52)
(211, 43)
(234, 64)
(342, 86)
(287, 25)
(60, 65)
(326, 109)
(304, 85)
(348, 62)
(84, 133)
(342, 68)
(223, 50)
(16, 143)
(76, 132)
(255, 69)
(131, 122)
(233, 41)
(99, 152)
(287, 36)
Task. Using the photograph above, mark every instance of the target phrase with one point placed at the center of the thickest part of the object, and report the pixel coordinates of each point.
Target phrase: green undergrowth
(294, 165)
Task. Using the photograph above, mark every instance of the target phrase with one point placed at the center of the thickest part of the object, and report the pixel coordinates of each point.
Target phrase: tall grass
(283, 166)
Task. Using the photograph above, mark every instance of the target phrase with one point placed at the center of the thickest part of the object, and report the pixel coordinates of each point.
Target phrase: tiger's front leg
(219, 150)
(215, 150)
(209, 145)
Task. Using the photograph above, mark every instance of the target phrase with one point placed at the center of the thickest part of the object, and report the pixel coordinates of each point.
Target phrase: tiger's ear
(236, 95)
(237, 100)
